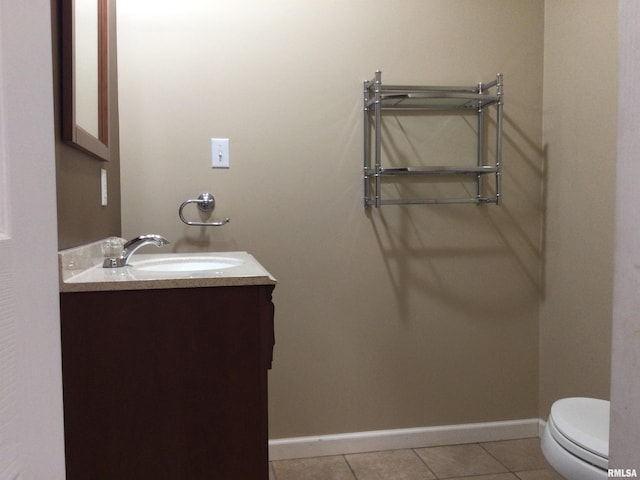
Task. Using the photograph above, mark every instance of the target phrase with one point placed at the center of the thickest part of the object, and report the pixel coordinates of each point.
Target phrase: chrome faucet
(130, 248)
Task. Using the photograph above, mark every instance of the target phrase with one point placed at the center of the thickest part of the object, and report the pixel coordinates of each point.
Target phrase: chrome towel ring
(206, 203)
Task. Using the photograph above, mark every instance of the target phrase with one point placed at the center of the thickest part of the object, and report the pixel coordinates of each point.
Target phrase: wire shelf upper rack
(420, 97)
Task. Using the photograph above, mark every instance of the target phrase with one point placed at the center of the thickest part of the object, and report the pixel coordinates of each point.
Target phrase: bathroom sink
(81, 270)
(185, 264)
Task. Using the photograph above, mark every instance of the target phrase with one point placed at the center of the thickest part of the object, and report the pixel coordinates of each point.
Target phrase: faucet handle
(112, 247)
(131, 247)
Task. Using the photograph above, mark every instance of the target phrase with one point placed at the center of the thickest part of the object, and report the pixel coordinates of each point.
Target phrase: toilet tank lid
(584, 421)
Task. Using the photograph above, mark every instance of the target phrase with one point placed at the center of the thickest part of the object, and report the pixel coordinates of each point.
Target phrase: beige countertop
(81, 271)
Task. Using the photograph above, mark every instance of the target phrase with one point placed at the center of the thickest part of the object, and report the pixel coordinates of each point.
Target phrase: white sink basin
(185, 264)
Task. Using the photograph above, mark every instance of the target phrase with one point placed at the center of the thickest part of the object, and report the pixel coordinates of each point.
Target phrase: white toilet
(575, 441)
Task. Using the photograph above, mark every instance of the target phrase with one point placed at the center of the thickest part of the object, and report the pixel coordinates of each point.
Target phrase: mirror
(85, 75)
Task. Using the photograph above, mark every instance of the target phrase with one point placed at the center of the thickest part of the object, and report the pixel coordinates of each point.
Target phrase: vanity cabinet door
(167, 384)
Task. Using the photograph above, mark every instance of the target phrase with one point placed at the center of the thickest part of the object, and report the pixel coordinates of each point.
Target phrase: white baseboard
(359, 442)
(541, 426)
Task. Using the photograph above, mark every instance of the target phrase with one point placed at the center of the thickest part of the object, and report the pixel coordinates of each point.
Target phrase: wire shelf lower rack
(435, 170)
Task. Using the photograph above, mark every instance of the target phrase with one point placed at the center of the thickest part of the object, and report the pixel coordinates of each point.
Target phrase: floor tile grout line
(496, 459)
(346, 460)
(514, 472)
(424, 463)
(436, 477)
(412, 450)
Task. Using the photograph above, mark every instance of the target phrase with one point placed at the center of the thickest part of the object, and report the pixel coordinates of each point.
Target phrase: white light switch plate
(103, 186)
(220, 152)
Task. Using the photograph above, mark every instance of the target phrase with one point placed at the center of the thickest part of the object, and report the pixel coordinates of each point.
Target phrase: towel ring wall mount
(206, 203)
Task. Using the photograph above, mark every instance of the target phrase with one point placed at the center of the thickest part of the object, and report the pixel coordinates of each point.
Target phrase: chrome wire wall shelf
(382, 99)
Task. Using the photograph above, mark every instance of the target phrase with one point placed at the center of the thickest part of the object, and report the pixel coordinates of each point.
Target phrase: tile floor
(504, 460)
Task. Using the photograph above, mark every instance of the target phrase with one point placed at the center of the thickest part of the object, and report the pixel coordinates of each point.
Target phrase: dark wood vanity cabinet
(167, 384)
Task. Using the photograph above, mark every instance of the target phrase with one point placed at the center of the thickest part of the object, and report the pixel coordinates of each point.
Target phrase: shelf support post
(367, 145)
(480, 146)
(378, 134)
(499, 93)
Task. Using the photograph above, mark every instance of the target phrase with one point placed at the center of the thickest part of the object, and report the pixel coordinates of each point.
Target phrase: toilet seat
(581, 426)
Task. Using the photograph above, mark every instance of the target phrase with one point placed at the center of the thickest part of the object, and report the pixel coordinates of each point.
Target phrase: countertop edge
(165, 284)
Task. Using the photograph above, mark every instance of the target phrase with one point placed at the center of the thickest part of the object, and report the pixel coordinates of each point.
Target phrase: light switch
(103, 186)
(220, 152)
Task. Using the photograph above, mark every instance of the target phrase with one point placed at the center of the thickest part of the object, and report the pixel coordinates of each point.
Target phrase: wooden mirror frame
(73, 133)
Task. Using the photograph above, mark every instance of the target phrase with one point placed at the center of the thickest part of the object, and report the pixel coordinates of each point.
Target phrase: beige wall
(580, 142)
(390, 318)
